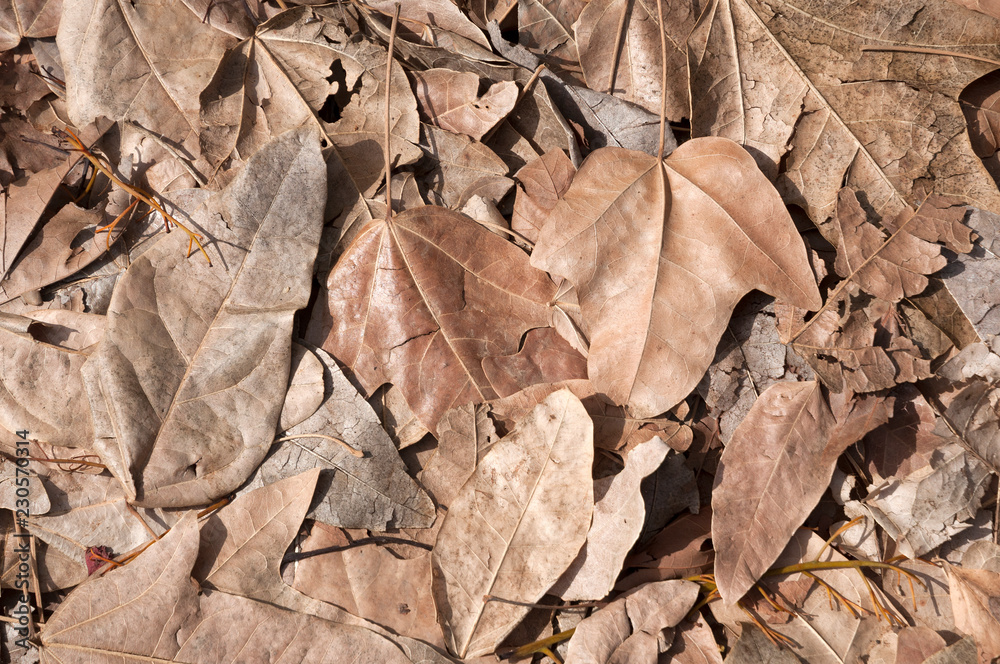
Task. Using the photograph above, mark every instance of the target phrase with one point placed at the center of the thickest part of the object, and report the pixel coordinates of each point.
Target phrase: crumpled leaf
(847, 350)
(773, 472)
(644, 271)
(121, 61)
(373, 492)
(628, 629)
(517, 524)
(27, 18)
(694, 643)
(189, 345)
(972, 278)
(677, 551)
(371, 582)
(464, 168)
(421, 300)
(169, 621)
(888, 268)
(618, 517)
(927, 507)
(545, 358)
(438, 13)
(820, 630)
(818, 104)
(545, 27)
(974, 594)
(449, 98)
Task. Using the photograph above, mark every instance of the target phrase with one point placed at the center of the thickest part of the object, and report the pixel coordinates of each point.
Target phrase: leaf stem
(388, 149)
(931, 51)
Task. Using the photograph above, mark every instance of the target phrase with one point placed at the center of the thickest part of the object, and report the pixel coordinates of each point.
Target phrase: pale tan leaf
(305, 388)
(189, 345)
(421, 300)
(619, 512)
(627, 629)
(27, 18)
(443, 14)
(42, 388)
(70, 330)
(753, 647)
(644, 271)
(545, 27)
(924, 509)
(371, 582)
(974, 595)
(121, 61)
(241, 544)
(516, 525)
(694, 643)
(450, 99)
(916, 644)
(465, 168)
(789, 79)
(168, 621)
(372, 492)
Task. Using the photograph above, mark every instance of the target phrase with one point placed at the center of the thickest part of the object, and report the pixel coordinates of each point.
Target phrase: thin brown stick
(388, 148)
(618, 47)
(358, 453)
(663, 88)
(302, 555)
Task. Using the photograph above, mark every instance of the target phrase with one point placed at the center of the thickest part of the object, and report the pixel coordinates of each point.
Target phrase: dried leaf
(618, 518)
(169, 621)
(889, 269)
(627, 630)
(42, 388)
(543, 182)
(545, 358)
(449, 99)
(516, 525)
(373, 492)
(121, 62)
(169, 366)
(677, 551)
(643, 275)
(974, 594)
(372, 583)
(754, 646)
(927, 507)
(916, 644)
(773, 472)
(241, 544)
(972, 279)
(421, 300)
(439, 13)
(818, 103)
(694, 643)
(635, 71)
(465, 168)
(546, 28)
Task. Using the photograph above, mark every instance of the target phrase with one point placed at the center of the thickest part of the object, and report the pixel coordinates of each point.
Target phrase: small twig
(615, 53)
(663, 91)
(388, 126)
(548, 607)
(302, 555)
(529, 649)
(357, 453)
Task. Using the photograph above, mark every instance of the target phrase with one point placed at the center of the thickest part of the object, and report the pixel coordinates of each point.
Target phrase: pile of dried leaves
(566, 396)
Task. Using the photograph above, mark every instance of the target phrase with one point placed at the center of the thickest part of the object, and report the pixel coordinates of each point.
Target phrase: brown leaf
(827, 101)
(888, 268)
(545, 357)
(465, 168)
(634, 72)
(169, 621)
(421, 300)
(121, 62)
(754, 646)
(372, 583)
(644, 270)
(450, 100)
(545, 27)
(169, 368)
(516, 525)
(772, 473)
(972, 280)
(694, 643)
(27, 18)
(373, 492)
(627, 630)
(618, 517)
(918, 643)
(820, 630)
(439, 13)
(543, 182)
(974, 594)
(677, 551)
(937, 219)
(906, 442)
(305, 388)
